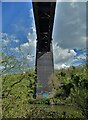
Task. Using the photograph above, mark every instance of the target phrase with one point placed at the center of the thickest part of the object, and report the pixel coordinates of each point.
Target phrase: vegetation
(71, 90)
(71, 87)
(69, 94)
(17, 90)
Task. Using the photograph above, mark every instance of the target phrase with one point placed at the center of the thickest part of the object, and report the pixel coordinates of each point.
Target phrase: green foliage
(72, 87)
(53, 111)
(40, 101)
(69, 86)
(17, 90)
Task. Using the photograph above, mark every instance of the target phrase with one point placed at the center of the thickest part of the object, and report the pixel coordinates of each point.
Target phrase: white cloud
(62, 55)
(63, 58)
(64, 66)
(24, 45)
(69, 32)
(17, 41)
(7, 39)
(30, 46)
(16, 49)
(73, 53)
(29, 57)
(61, 66)
(32, 35)
(45, 0)
(70, 25)
(31, 13)
(4, 39)
(71, 0)
(1, 67)
(81, 57)
(23, 52)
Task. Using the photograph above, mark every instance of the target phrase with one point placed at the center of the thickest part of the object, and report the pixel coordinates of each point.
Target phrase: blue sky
(18, 31)
(69, 32)
(16, 19)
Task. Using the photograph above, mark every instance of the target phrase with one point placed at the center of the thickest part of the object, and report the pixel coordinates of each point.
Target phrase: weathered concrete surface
(44, 70)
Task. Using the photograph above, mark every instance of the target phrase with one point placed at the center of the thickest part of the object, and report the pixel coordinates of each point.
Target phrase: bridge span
(44, 20)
